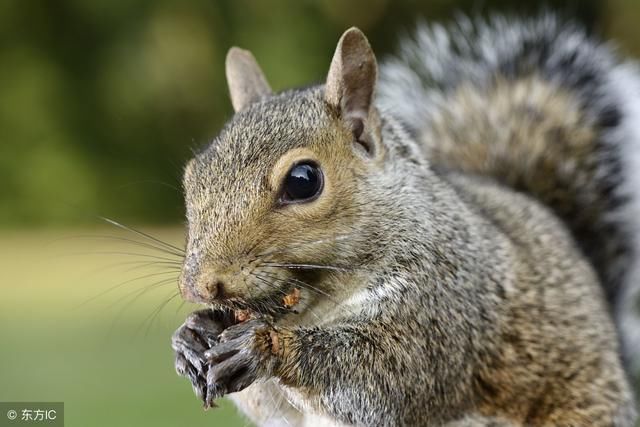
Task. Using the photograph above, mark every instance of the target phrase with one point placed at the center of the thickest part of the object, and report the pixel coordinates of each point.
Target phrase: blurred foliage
(103, 101)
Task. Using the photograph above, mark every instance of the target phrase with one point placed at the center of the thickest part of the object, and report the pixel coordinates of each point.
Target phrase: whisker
(312, 288)
(141, 233)
(248, 288)
(139, 293)
(295, 266)
(129, 241)
(281, 291)
(135, 279)
(297, 245)
(140, 264)
(157, 311)
(180, 306)
(270, 285)
(170, 266)
(277, 407)
(159, 258)
(256, 243)
(286, 398)
(136, 265)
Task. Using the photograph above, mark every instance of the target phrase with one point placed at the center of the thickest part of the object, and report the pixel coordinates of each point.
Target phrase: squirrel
(446, 240)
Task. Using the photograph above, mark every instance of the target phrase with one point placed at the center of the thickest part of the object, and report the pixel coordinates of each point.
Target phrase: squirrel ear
(245, 78)
(352, 76)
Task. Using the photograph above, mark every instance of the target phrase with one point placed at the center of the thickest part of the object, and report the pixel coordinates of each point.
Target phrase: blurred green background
(101, 103)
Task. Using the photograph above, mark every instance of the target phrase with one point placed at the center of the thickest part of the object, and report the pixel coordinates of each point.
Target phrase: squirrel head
(279, 196)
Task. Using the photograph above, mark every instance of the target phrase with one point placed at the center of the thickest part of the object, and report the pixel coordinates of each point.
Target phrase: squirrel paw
(196, 335)
(245, 352)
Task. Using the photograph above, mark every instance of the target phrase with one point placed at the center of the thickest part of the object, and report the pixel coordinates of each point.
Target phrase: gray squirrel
(452, 242)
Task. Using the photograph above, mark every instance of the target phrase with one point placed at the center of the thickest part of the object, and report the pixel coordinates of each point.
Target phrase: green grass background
(104, 359)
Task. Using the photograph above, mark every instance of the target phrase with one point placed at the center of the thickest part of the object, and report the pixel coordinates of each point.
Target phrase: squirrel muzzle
(204, 285)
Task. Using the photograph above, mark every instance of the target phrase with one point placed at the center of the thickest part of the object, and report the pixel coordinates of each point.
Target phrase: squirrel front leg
(357, 372)
(350, 372)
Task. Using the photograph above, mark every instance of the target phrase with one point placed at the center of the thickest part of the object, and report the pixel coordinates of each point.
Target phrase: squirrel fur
(467, 259)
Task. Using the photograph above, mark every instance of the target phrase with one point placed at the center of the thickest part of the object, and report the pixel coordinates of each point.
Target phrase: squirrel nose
(203, 284)
(198, 289)
(216, 289)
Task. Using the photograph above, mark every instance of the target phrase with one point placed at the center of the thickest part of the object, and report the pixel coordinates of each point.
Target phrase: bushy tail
(538, 106)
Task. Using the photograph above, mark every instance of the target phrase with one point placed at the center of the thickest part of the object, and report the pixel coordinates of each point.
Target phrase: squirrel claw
(211, 405)
(208, 401)
(196, 335)
(238, 359)
(219, 359)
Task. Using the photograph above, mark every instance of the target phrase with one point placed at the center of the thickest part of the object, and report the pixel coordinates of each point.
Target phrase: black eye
(303, 183)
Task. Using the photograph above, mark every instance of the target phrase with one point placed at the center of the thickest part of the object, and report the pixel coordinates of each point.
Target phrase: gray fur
(438, 60)
(451, 298)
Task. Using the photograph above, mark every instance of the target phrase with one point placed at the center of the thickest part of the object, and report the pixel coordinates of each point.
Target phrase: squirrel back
(542, 108)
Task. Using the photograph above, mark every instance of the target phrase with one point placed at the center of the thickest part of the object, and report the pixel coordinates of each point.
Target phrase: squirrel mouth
(275, 305)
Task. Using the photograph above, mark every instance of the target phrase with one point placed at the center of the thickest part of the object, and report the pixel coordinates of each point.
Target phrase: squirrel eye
(303, 183)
